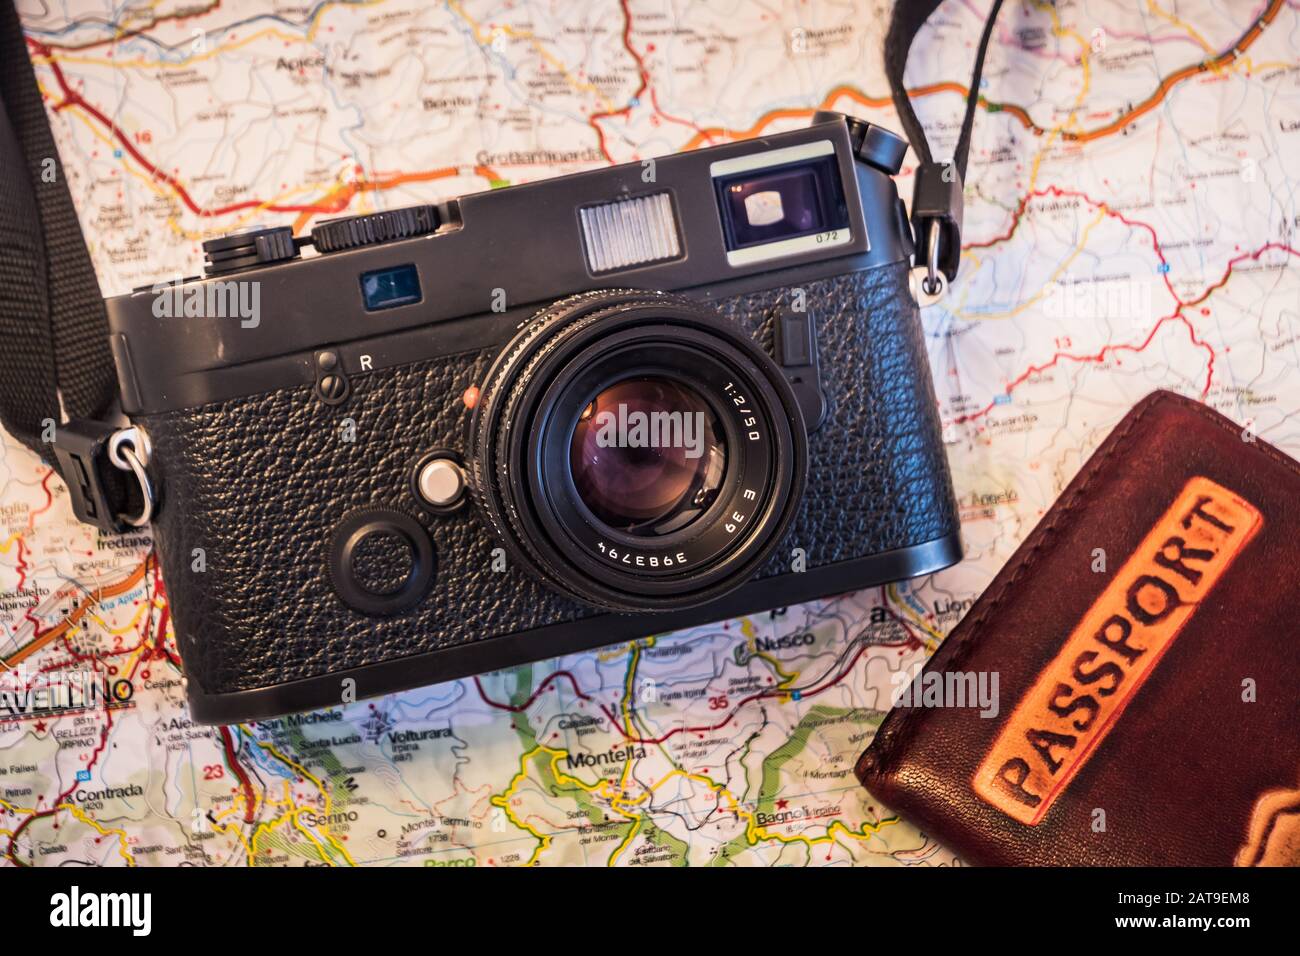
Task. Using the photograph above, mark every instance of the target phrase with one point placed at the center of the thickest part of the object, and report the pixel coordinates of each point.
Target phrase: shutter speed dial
(352, 232)
(258, 247)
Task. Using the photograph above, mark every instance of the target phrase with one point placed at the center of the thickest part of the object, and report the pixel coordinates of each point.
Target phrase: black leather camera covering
(261, 483)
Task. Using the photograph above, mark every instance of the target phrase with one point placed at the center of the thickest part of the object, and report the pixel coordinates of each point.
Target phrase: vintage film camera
(538, 419)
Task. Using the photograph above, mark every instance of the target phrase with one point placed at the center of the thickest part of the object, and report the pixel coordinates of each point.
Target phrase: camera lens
(648, 456)
(637, 452)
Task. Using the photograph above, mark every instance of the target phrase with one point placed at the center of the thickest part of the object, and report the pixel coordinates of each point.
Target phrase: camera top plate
(499, 251)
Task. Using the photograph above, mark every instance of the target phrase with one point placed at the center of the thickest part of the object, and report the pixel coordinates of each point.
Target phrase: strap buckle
(129, 448)
(934, 279)
(82, 448)
(927, 283)
(937, 219)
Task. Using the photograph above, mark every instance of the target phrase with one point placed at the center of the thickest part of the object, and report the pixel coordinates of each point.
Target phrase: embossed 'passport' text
(1059, 723)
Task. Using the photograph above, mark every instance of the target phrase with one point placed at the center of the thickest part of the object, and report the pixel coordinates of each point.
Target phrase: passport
(1144, 641)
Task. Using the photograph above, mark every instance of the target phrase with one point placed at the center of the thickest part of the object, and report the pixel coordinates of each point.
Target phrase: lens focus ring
(699, 540)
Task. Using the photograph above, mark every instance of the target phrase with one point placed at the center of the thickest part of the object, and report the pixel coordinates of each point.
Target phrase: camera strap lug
(796, 353)
(100, 495)
(937, 219)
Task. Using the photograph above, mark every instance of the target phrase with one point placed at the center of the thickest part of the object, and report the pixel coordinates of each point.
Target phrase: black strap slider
(937, 190)
(937, 216)
(81, 448)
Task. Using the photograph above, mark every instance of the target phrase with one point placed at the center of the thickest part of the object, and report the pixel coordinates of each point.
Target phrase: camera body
(387, 464)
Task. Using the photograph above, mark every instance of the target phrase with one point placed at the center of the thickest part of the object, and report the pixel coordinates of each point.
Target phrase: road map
(1131, 219)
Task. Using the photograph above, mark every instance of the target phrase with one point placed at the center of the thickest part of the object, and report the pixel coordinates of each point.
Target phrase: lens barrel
(637, 452)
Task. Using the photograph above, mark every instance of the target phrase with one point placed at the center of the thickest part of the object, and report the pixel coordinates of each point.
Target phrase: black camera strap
(937, 189)
(57, 380)
(55, 362)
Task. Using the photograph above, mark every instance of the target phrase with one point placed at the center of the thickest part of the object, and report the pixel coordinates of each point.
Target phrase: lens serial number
(631, 559)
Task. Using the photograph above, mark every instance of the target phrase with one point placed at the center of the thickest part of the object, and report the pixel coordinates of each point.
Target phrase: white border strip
(788, 247)
(775, 157)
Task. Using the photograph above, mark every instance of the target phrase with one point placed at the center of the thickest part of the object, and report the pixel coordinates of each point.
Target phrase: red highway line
(1177, 314)
(761, 695)
(72, 98)
(520, 708)
(155, 19)
(641, 72)
(238, 771)
(49, 501)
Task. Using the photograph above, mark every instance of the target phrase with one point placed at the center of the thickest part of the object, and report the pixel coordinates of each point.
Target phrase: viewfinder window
(781, 203)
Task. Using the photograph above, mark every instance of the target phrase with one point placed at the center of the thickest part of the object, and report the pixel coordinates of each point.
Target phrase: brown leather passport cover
(1146, 642)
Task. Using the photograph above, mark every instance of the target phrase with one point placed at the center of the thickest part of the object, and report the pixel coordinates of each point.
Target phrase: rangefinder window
(389, 288)
(781, 202)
